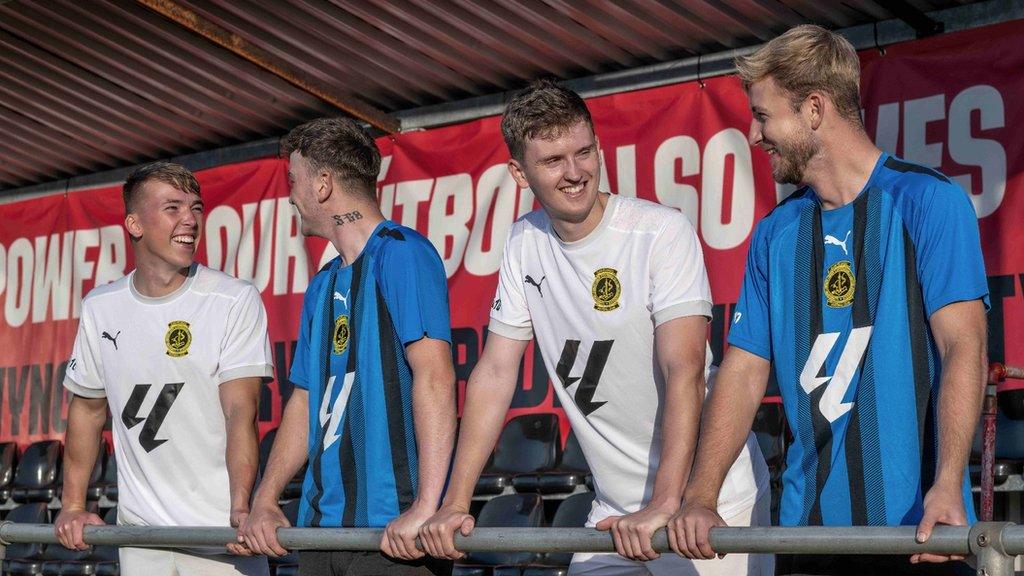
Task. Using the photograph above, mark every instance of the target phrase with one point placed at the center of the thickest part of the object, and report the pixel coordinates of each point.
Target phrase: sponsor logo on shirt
(497, 305)
(536, 284)
(606, 289)
(840, 285)
(107, 336)
(830, 239)
(341, 334)
(178, 338)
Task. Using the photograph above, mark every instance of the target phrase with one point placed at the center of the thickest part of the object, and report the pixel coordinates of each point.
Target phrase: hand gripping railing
(992, 544)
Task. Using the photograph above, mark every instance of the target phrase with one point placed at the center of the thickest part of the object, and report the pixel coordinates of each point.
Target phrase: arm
(680, 347)
(735, 397)
(960, 333)
(488, 396)
(259, 531)
(239, 400)
(86, 417)
(433, 405)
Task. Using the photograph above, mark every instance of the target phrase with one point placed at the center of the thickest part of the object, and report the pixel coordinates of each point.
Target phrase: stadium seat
(528, 444)
(25, 558)
(509, 511)
(38, 471)
(8, 459)
(571, 513)
(571, 473)
(108, 482)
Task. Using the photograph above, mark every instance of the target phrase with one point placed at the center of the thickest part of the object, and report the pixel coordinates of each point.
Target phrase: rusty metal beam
(252, 53)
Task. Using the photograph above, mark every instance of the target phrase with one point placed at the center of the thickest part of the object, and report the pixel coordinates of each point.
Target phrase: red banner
(941, 102)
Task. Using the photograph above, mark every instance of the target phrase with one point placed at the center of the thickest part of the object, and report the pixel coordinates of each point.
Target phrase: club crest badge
(840, 285)
(606, 289)
(341, 334)
(177, 339)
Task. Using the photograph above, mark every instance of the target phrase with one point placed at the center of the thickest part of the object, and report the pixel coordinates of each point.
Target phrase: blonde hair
(804, 59)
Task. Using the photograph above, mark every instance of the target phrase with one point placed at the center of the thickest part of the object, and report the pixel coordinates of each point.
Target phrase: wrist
(669, 504)
(72, 506)
(701, 498)
(457, 506)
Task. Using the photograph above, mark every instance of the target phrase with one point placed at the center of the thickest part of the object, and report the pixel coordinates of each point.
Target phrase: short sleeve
(415, 288)
(84, 375)
(679, 279)
(245, 349)
(299, 374)
(944, 229)
(749, 327)
(510, 316)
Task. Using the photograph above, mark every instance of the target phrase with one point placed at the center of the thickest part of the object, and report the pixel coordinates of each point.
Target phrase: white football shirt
(159, 363)
(593, 305)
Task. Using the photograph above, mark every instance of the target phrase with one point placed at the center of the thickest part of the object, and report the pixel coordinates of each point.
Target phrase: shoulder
(920, 192)
(787, 213)
(639, 215)
(216, 283)
(106, 291)
(401, 242)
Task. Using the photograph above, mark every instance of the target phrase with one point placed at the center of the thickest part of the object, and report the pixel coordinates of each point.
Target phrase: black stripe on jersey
(919, 355)
(805, 290)
(821, 425)
(394, 403)
(861, 317)
(327, 329)
(346, 451)
(900, 166)
(393, 232)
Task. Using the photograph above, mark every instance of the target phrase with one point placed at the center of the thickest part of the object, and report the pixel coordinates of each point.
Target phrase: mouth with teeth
(184, 239)
(574, 191)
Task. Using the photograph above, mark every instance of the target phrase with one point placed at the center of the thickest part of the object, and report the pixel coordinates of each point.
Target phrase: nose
(190, 218)
(754, 134)
(573, 170)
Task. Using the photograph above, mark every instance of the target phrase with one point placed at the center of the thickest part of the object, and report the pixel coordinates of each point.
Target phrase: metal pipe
(798, 540)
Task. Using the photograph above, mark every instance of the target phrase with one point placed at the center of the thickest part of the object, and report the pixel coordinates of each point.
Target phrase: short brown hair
(544, 109)
(167, 172)
(804, 59)
(339, 145)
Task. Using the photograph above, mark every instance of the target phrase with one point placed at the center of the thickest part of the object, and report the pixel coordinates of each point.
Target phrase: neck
(157, 281)
(573, 231)
(843, 169)
(351, 227)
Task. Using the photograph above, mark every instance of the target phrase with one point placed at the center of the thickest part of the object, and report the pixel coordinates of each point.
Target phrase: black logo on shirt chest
(107, 336)
(529, 280)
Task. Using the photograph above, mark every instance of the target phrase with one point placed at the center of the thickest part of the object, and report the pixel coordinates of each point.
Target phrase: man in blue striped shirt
(373, 409)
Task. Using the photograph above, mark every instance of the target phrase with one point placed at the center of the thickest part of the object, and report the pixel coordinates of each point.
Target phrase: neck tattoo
(346, 218)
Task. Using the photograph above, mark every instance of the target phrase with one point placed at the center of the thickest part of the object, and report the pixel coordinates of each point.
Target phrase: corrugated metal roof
(92, 85)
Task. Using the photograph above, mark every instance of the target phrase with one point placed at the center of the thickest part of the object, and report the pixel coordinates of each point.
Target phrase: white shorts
(148, 562)
(606, 564)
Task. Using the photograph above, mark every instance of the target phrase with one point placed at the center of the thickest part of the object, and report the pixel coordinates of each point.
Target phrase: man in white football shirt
(178, 352)
(616, 292)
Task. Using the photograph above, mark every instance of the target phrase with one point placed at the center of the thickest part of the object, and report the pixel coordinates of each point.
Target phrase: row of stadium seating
(36, 475)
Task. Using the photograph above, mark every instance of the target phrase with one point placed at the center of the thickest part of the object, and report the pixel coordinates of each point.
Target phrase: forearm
(289, 451)
(488, 396)
(433, 399)
(680, 423)
(725, 426)
(960, 397)
(86, 418)
(242, 456)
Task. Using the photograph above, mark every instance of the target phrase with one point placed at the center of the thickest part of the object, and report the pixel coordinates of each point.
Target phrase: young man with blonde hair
(865, 291)
(177, 352)
(616, 293)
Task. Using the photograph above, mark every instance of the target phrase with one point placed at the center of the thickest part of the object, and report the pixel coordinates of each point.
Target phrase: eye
(198, 208)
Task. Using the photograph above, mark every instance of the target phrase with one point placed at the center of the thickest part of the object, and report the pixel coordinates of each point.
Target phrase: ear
(814, 108)
(515, 168)
(131, 223)
(324, 186)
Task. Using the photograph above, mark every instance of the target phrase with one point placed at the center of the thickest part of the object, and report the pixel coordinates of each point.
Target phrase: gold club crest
(606, 289)
(340, 334)
(840, 285)
(177, 339)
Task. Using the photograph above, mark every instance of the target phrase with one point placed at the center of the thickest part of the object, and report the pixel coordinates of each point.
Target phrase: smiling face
(780, 131)
(302, 192)
(564, 173)
(166, 224)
